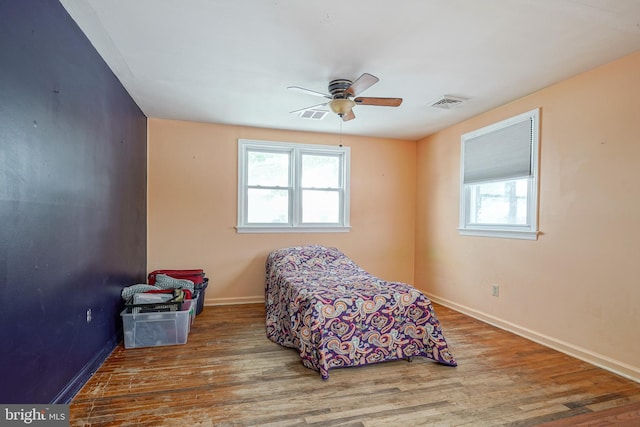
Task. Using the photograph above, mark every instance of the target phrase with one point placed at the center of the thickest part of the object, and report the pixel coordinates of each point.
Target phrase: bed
(336, 314)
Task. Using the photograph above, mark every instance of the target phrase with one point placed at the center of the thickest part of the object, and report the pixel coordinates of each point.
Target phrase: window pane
(320, 206)
(268, 169)
(267, 206)
(285, 186)
(500, 202)
(320, 171)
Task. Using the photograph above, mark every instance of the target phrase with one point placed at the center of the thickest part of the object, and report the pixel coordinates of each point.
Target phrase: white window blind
(499, 154)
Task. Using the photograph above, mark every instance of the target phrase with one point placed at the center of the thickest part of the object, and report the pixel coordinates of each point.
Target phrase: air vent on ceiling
(448, 102)
(313, 114)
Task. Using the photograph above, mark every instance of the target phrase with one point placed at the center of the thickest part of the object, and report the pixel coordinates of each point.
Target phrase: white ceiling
(231, 61)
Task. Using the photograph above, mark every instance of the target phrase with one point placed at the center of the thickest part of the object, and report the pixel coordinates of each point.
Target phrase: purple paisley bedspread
(335, 314)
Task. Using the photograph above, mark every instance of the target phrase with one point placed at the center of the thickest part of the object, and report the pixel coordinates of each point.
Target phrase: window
(499, 179)
(287, 187)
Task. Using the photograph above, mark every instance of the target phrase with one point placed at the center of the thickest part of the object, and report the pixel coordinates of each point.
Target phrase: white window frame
(528, 231)
(296, 150)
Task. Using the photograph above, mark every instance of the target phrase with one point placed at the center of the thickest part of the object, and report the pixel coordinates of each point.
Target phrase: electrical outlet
(495, 290)
(89, 316)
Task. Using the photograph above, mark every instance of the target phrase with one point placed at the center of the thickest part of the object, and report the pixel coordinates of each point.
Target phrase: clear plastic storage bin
(158, 328)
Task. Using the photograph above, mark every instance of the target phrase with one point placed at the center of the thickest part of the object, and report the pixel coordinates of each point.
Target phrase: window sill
(502, 234)
(290, 229)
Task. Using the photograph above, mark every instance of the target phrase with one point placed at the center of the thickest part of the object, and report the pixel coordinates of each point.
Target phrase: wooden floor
(230, 374)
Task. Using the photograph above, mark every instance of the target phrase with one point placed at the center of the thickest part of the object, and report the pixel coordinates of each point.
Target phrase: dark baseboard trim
(73, 387)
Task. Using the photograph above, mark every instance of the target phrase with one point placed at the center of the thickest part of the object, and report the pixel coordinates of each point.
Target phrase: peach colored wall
(192, 206)
(577, 288)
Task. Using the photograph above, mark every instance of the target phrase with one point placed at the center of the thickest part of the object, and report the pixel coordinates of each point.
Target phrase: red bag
(196, 276)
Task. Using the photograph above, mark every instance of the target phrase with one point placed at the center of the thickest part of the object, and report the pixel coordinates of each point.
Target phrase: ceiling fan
(343, 96)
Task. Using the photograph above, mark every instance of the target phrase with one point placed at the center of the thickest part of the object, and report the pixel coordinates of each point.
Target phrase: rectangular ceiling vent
(448, 102)
(313, 114)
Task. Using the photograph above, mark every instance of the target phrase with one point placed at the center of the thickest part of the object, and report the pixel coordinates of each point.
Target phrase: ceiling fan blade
(309, 108)
(383, 102)
(362, 83)
(309, 91)
(349, 116)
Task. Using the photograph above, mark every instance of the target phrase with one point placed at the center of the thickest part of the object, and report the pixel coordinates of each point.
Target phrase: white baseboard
(235, 301)
(599, 360)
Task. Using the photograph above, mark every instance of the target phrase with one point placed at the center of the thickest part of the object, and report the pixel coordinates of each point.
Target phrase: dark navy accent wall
(72, 203)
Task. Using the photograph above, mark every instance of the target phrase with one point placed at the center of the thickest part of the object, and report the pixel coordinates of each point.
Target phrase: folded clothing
(166, 282)
(129, 291)
(150, 298)
(136, 289)
(186, 292)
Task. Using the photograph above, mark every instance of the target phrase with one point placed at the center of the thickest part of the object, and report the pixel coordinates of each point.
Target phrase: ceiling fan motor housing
(338, 86)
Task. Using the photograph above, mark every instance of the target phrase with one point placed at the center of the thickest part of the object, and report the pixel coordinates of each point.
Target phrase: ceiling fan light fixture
(341, 106)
